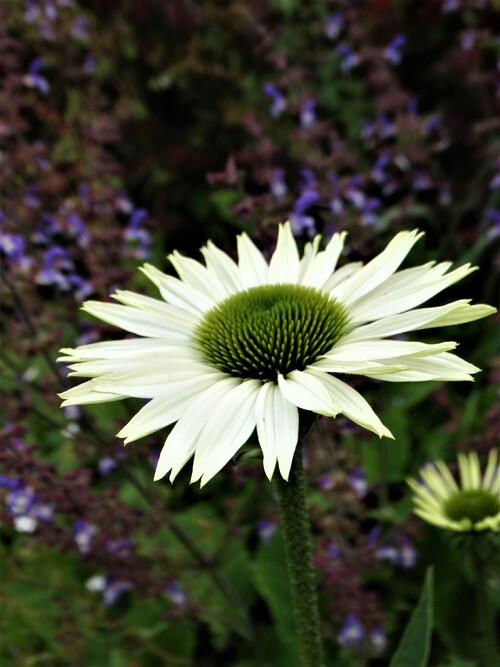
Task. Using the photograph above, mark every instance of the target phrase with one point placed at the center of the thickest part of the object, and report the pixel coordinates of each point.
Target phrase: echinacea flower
(235, 346)
(471, 506)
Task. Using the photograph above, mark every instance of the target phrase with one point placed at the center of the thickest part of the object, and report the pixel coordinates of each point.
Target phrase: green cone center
(271, 329)
(473, 504)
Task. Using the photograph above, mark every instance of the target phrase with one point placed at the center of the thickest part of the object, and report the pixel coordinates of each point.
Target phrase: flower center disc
(473, 504)
(270, 329)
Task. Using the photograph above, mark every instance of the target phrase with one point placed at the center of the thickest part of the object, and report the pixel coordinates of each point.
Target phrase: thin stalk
(296, 529)
(486, 615)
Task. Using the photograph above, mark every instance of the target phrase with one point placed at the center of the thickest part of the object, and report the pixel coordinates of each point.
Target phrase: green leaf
(271, 581)
(414, 647)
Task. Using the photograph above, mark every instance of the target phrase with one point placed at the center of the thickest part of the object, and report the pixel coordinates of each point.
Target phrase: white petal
(341, 275)
(120, 349)
(307, 392)
(277, 429)
(284, 264)
(310, 252)
(226, 431)
(87, 393)
(492, 473)
(181, 443)
(375, 350)
(154, 379)
(424, 318)
(378, 270)
(352, 404)
(177, 293)
(354, 367)
(226, 269)
(323, 265)
(251, 263)
(441, 367)
(166, 408)
(403, 300)
(139, 322)
(185, 319)
(465, 314)
(198, 277)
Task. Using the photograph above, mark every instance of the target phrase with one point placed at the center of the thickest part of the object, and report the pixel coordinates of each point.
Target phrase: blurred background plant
(130, 129)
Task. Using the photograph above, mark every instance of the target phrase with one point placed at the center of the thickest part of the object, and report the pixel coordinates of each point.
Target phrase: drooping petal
(277, 429)
(352, 404)
(284, 264)
(181, 442)
(120, 349)
(308, 393)
(441, 367)
(376, 350)
(225, 431)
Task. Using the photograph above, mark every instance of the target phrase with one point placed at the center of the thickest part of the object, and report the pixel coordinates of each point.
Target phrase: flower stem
(486, 615)
(296, 530)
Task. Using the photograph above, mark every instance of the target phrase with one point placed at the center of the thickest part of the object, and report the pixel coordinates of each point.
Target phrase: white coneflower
(472, 506)
(235, 346)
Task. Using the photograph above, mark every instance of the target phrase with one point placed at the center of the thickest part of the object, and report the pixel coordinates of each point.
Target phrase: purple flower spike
(279, 188)
(349, 58)
(10, 483)
(35, 80)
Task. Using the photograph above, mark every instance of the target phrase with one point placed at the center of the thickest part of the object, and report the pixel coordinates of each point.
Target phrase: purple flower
(78, 229)
(89, 64)
(279, 188)
(12, 246)
(79, 28)
(122, 547)
(379, 173)
(334, 551)
(392, 51)
(351, 634)
(81, 287)
(299, 220)
(266, 529)
(20, 502)
(421, 180)
(308, 114)
(177, 596)
(407, 555)
(368, 217)
(378, 639)
(140, 236)
(114, 590)
(358, 483)
(468, 40)
(334, 25)
(432, 123)
(450, 6)
(10, 483)
(106, 465)
(278, 104)
(349, 57)
(35, 80)
(83, 534)
(326, 482)
(336, 202)
(388, 553)
(494, 230)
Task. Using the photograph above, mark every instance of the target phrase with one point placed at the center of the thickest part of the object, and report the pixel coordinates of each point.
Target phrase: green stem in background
(296, 530)
(486, 614)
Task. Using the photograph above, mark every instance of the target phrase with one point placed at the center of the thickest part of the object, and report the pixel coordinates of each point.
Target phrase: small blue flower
(10, 483)
(351, 634)
(20, 501)
(278, 101)
(266, 529)
(279, 188)
(378, 639)
(301, 222)
(349, 58)
(392, 51)
(83, 534)
(106, 465)
(334, 25)
(114, 590)
(122, 547)
(407, 555)
(357, 482)
(33, 79)
(177, 596)
(308, 114)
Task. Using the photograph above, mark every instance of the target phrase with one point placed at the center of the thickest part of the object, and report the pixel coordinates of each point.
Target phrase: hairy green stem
(296, 530)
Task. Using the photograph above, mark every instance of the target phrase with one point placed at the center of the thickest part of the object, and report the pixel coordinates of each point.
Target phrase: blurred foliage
(132, 128)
